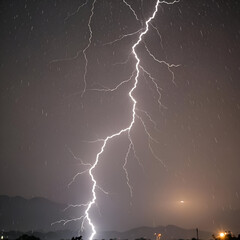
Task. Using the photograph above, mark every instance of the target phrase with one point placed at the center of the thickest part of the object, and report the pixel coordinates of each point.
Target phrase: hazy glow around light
(222, 235)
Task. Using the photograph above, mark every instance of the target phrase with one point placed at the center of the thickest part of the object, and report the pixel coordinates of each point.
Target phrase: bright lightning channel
(128, 129)
(136, 72)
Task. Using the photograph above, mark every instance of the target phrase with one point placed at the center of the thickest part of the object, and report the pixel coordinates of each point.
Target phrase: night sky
(46, 122)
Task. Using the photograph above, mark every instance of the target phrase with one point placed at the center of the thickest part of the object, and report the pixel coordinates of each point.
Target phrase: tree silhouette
(77, 238)
(227, 236)
(27, 237)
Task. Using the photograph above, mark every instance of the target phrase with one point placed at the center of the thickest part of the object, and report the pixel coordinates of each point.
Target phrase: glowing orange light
(222, 234)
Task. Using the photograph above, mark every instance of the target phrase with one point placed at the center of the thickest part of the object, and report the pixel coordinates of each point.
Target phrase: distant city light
(158, 236)
(222, 234)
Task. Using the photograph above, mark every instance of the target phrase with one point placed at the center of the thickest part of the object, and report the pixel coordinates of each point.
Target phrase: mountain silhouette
(17, 213)
(167, 232)
(37, 214)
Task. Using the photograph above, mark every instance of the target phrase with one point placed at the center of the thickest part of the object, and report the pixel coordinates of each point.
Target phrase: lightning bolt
(74, 13)
(86, 48)
(130, 7)
(136, 113)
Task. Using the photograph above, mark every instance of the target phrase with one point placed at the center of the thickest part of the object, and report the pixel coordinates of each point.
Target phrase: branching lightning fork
(134, 114)
(128, 129)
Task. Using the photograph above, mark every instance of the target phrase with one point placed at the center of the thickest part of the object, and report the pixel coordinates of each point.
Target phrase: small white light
(221, 234)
